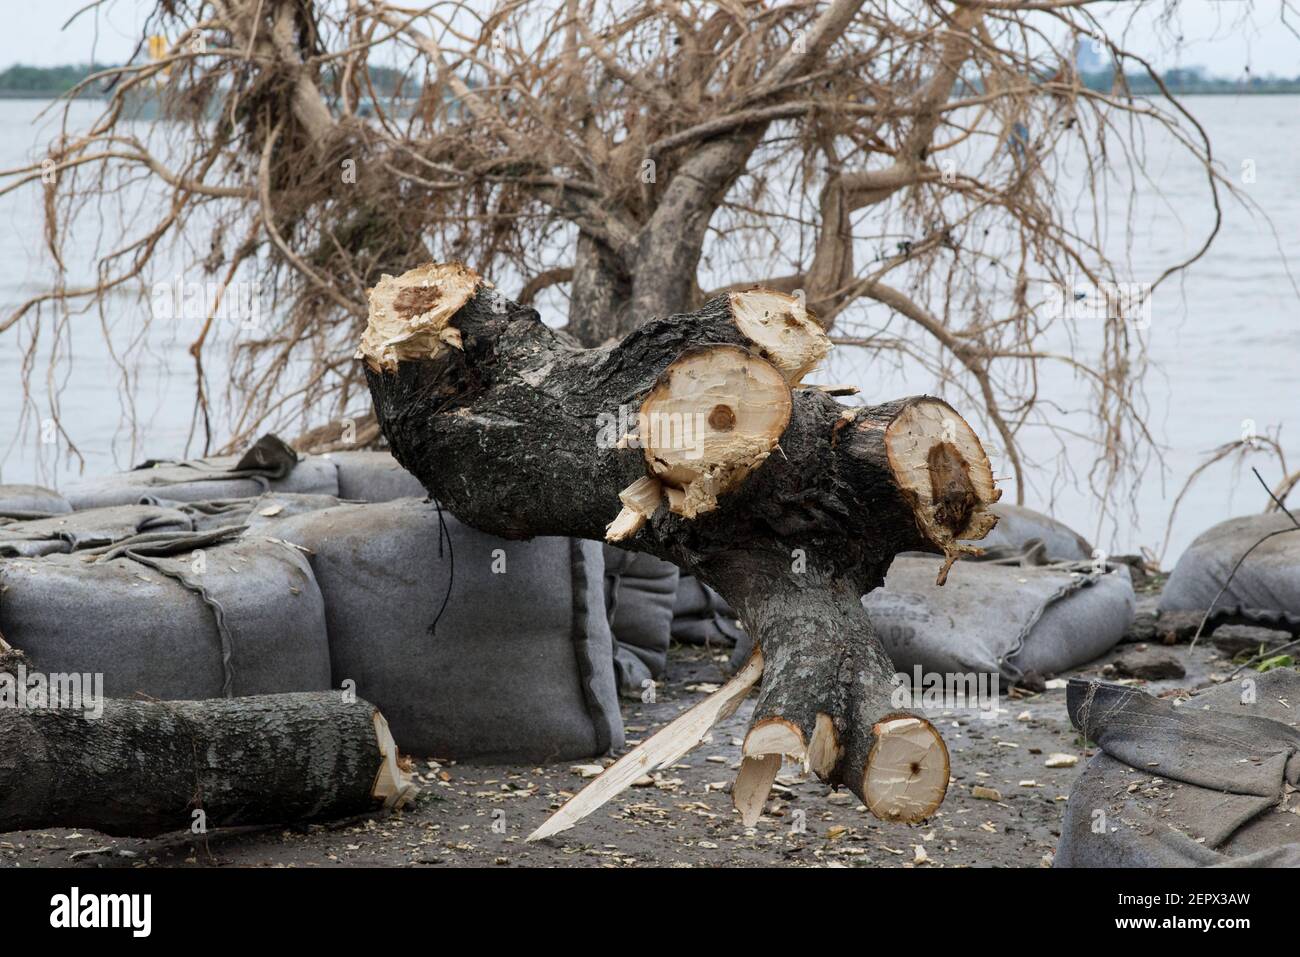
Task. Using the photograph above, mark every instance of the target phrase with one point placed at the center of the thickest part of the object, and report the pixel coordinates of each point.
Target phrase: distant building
(1087, 56)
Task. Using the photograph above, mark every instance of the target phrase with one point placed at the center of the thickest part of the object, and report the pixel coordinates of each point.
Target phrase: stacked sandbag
(640, 591)
(253, 512)
(1018, 527)
(178, 615)
(89, 529)
(1186, 784)
(1266, 588)
(702, 617)
(995, 618)
(472, 646)
(269, 465)
(373, 477)
(30, 501)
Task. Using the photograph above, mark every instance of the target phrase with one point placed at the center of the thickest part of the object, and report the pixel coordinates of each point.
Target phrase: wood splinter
(640, 500)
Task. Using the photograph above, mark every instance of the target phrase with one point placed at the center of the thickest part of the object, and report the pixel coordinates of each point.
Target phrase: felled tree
(788, 503)
(898, 163)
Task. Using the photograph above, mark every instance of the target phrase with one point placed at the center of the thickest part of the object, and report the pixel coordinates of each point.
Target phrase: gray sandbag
(1266, 588)
(702, 617)
(1189, 784)
(1019, 526)
(176, 616)
(640, 591)
(31, 501)
(373, 477)
(252, 512)
(472, 646)
(88, 529)
(999, 618)
(269, 465)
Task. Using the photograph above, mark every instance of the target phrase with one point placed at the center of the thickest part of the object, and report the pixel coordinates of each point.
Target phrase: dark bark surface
(144, 768)
(506, 433)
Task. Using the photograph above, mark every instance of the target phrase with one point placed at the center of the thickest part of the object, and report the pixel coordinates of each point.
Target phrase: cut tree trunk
(694, 439)
(145, 768)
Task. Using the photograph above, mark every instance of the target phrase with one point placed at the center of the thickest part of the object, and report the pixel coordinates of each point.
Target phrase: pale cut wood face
(781, 330)
(932, 452)
(907, 775)
(713, 417)
(410, 314)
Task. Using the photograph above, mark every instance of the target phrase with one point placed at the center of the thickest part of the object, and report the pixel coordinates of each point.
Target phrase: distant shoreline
(20, 82)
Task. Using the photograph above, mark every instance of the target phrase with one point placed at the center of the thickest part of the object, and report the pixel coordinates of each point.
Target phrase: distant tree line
(1186, 82)
(21, 80)
(51, 81)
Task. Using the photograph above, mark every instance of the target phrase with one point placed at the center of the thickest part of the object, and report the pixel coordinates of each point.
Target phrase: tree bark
(792, 509)
(598, 304)
(145, 768)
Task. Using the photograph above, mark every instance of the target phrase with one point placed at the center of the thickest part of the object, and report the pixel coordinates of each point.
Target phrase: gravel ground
(1003, 808)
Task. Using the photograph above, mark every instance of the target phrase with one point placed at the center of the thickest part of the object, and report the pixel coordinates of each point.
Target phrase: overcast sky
(1227, 36)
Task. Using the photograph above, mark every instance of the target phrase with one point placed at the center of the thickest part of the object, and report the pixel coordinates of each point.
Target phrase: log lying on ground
(693, 440)
(144, 768)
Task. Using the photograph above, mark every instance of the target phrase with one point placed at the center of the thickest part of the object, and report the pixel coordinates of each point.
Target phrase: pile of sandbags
(1194, 783)
(1265, 590)
(269, 465)
(639, 595)
(252, 512)
(250, 575)
(172, 615)
(472, 646)
(89, 529)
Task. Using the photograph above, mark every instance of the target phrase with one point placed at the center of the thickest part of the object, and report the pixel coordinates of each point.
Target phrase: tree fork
(694, 439)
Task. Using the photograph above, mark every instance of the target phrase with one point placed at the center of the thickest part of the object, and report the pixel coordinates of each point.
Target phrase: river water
(1224, 341)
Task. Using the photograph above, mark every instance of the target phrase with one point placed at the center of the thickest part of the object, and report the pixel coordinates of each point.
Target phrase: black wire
(444, 532)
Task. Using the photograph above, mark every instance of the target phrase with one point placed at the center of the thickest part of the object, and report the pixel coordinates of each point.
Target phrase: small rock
(1061, 760)
(1173, 627)
(1152, 664)
(1033, 681)
(1143, 628)
(985, 794)
(1233, 640)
